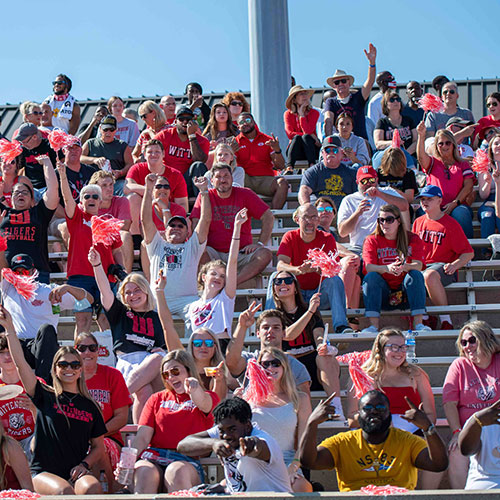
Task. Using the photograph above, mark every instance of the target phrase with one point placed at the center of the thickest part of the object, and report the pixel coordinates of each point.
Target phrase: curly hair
(238, 96)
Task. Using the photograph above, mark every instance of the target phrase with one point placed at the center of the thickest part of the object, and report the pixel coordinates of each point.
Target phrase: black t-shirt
(62, 436)
(407, 125)
(355, 106)
(26, 232)
(32, 169)
(408, 181)
(93, 132)
(417, 115)
(78, 180)
(113, 151)
(132, 332)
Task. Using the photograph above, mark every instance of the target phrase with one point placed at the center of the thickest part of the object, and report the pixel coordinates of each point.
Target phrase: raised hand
(324, 411)
(490, 415)
(201, 183)
(94, 257)
(416, 415)
(247, 317)
(151, 181)
(241, 217)
(248, 446)
(190, 385)
(274, 143)
(421, 130)
(161, 281)
(371, 54)
(314, 302)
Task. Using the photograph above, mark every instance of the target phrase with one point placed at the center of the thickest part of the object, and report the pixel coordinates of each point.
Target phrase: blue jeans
(332, 297)
(376, 293)
(489, 222)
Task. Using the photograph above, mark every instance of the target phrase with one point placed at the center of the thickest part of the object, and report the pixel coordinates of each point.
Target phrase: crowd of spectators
(395, 213)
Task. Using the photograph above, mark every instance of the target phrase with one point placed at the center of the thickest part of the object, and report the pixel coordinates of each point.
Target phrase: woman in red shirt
(9, 178)
(300, 126)
(393, 259)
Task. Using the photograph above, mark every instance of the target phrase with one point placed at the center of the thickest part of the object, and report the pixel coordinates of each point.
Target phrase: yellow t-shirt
(359, 463)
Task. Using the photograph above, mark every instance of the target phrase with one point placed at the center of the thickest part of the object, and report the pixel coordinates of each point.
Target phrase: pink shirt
(472, 387)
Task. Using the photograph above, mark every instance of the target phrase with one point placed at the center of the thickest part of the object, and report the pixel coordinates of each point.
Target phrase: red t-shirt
(109, 390)
(174, 210)
(444, 239)
(177, 152)
(254, 155)
(80, 242)
(148, 134)
(119, 208)
(173, 417)
(178, 188)
(300, 125)
(293, 246)
(224, 211)
(380, 251)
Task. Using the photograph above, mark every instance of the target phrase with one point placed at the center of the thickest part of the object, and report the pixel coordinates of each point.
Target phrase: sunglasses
(143, 115)
(111, 129)
(395, 99)
(368, 180)
(88, 196)
(180, 225)
(236, 103)
(331, 150)
(67, 364)
(174, 372)
(470, 341)
(397, 348)
(444, 143)
(200, 342)
(59, 82)
(246, 120)
(338, 82)
(162, 186)
(491, 104)
(275, 363)
(184, 118)
(325, 209)
(389, 220)
(448, 92)
(370, 407)
(37, 113)
(287, 281)
(83, 348)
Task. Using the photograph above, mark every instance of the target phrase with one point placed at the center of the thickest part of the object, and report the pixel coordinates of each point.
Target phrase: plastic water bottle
(126, 464)
(410, 347)
(104, 482)
(107, 166)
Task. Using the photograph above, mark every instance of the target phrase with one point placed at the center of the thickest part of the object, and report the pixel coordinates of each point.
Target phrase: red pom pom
(25, 285)
(58, 139)
(10, 150)
(186, 493)
(371, 489)
(260, 385)
(396, 139)
(19, 494)
(105, 229)
(361, 381)
(328, 263)
(431, 102)
(481, 162)
(3, 243)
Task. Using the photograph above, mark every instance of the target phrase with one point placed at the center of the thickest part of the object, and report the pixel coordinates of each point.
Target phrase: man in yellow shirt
(377, 453)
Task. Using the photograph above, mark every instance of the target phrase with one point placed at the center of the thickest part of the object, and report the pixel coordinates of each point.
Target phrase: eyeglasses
(395, 99)
(288, 280)
(236, 103)
(491, 104)
(200, 342)
(368, 180)
(331, 150)
(162, 186)
(59, 82)
(338, 82)
(90, 347)
(449, 92)
(174, 372)
(309, 217)
(110, 129)
(275, 363)
(22, 192)
(444, 143)
(88, 196)
(470, 341)
(246, 120)
(67, 364)
(379, 407)
(397, 347)
(387, 220)
(324, 209)
(37, 113)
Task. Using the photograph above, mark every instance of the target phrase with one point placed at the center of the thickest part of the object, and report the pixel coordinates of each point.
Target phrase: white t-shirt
(216, 314)
(251, 474)
(127, 131)
(484, 468)
(375, 107)
(27, 316)
(180, 261)
(368, 220)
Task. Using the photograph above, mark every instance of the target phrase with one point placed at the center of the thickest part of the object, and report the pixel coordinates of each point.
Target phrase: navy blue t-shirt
(355, 107)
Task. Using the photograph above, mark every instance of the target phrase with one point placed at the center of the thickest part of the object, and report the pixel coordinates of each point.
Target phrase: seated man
(358, 212)
(329, 177)
(226, 201)
(252, 459)
(411, 109)
(376, 453)
(260, 155)
(292, 254)
(446, 248)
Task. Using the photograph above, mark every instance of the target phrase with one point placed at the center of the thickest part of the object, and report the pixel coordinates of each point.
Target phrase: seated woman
(384, 129)
(9, 178)
(354, 147)
(471, 384)
(220, 126)
(183, 408)
(487, 122)
(32, 113)
(136, 330)
(237, 105)
(393, 259)
(300, 126)
(446, 170)
(107, 386)
(224, 153)
(69, 426)
(284, 413)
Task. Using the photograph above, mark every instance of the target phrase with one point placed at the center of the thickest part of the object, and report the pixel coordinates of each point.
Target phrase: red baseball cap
(365, 172)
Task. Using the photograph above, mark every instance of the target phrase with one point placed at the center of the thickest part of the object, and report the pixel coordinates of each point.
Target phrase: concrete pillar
(269, 64)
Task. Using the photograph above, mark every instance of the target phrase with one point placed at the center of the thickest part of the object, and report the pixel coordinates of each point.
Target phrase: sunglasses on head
(491, 104)
(287, 281)
(448, 92)
(90, 347)
(66, 364)
(470, 341)
(331, 149)
(324, 209)
(368, 180)
(200, 342)
(236, 103)
(275, 363)
(88, 196)
(162, 186)
(174, 372)
(338, 82)
(395, 99)
(444, 143)
(389, 219)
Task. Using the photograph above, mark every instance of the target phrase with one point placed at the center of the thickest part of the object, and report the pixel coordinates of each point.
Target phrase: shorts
(127, 363)
(89, 284)
(163, 458)
(243, 258)
(309, 361)
(446, 279)
(113, 450)
(261, 184)
(53, 227)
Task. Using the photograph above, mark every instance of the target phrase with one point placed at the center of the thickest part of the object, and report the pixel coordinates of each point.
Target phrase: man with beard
(376, 453)
(65, 109)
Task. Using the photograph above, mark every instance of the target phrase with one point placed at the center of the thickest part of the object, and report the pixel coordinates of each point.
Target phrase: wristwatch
(430, 430)
(458, 202)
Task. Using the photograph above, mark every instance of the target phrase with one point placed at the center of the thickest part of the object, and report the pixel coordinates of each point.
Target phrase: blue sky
(132, 48)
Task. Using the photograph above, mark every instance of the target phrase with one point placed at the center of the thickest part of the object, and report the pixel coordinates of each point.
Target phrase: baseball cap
(184, 110)
(366, 172)
(108, 122)
(331, 141)
(22, 260)
(456, 120)
(429, 191)
(26, 130)
(179, 218)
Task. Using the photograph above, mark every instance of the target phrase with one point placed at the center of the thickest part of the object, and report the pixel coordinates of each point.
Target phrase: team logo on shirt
(377, 464)
(486, 393)
(334, 186)
(16, 421)
(202, 314)
(431, 236)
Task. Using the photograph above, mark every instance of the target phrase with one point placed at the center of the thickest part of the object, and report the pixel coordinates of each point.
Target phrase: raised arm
(69, 202)
(470, 437)
(172, 340)
(197, 152)
(148, 226)
(496, 177)
(203, 225)
(423, 158)
(199, 396)
(51, 195)
(232, 261)
(371, 55)
(107, 295)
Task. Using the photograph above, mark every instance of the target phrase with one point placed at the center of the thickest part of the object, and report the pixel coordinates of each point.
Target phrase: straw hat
(339, 74)
(294, 91)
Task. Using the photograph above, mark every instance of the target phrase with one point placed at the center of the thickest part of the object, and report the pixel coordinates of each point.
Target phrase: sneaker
(422, 328)
(370, 329)
(431, 322)
(344, 329)
(446, 325)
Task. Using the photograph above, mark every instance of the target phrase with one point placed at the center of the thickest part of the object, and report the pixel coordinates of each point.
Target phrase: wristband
(430, 430)
(372, 65)
(296, 460)
(477, 420)
(261, 244)
(97, 265)
(165, 210)
(237, 239)
(191, 136)
(276, 152)
(85, 464)
(456, 431)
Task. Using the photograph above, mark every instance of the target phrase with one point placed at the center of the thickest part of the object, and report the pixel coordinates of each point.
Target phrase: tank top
(396, 395)
(11, 481)
(279, 422)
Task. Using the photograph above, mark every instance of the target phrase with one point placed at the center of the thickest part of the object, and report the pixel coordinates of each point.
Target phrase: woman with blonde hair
(182, 408)
(136, 329)
(154, 118)
(69, 425)
(237, 104)
(224, 153)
